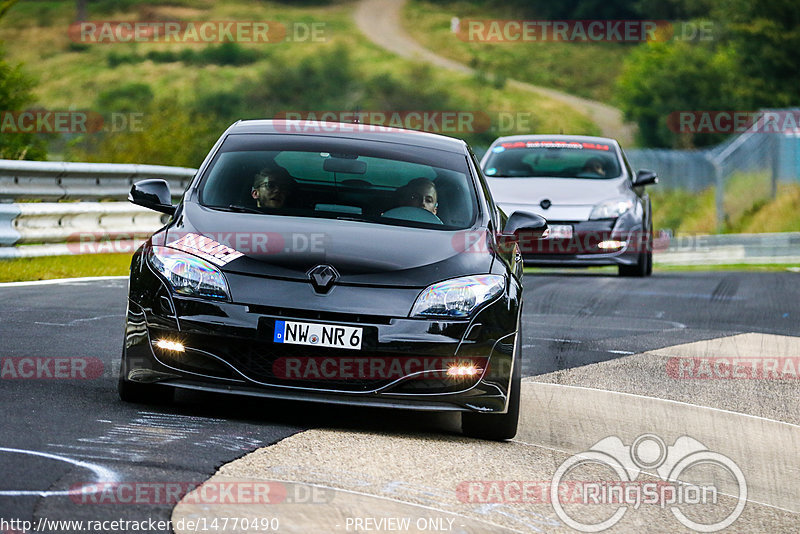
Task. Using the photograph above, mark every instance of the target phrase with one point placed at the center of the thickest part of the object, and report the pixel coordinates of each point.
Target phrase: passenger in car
(594, 166)
(419, 193)
(272, 187)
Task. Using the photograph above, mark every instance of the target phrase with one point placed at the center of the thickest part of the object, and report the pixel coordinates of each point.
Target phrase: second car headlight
(611, 209)
(187, 274)
(458, 297)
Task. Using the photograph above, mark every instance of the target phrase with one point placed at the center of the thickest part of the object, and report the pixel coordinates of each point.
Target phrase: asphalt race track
(62, 433)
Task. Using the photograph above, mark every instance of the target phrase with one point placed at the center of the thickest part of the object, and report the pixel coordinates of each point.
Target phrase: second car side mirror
(535, 226)
(645, 177)
(153, 194)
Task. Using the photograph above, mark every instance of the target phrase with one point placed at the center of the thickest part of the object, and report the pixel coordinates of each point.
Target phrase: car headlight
(457, 297)
(187, 274)
(611, 209)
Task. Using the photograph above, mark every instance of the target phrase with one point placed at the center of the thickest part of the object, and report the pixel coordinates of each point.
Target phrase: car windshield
(333, 178)
(561, 159)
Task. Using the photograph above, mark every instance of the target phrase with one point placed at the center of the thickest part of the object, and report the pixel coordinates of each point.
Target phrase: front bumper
(402, 363)
(582, 249)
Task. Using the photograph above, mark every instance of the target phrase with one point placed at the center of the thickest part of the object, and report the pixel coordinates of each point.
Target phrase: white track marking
(101, 474)
(61, 281)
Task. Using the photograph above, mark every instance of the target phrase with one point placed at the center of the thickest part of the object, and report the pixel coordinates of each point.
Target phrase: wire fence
(743, 171)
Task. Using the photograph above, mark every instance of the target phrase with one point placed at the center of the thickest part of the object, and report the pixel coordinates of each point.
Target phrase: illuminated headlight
(611, 244)
(187, 274)
(457, 297)
(611, 209)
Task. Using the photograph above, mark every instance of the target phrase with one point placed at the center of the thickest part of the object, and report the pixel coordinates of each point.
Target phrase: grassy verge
(585, 69)
(51, 267)
(659, 268)
(173, 96)
(748, 208)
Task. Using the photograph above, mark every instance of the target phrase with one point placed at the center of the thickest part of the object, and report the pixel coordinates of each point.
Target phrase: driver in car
(419, 193)
(272, 187)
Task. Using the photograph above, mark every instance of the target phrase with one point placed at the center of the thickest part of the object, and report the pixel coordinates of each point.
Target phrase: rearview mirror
(534, 225)
(152, 194)
(348, 166)
(645, 177)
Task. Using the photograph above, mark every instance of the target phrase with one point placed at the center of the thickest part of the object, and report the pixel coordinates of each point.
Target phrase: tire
(144, 393)
(139, 393)
(644, 261)
(498, 427)
(650, 253)
(638, 269)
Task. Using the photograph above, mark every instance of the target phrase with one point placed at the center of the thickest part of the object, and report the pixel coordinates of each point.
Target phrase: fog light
(170, 345)
(608, 245)
(463, 370)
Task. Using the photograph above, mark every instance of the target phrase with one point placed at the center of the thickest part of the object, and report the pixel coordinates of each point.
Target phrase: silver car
(597, 208)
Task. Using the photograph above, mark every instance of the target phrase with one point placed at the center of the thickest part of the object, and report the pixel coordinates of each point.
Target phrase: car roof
(353, 131)
(558, 137)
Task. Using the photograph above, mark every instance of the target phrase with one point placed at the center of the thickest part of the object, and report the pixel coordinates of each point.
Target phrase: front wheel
(498, 427)
(144, 393)
(140, 393)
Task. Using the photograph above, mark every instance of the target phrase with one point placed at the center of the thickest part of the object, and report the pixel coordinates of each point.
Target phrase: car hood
(571, 199)
(362, 253)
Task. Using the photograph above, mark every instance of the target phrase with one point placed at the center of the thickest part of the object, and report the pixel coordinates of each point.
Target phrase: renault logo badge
(323, 277)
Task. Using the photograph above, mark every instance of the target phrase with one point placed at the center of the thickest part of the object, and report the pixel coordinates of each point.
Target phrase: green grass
(51, 267)
(748, 207)
(73, 77)
(658, 268)
(584, 69)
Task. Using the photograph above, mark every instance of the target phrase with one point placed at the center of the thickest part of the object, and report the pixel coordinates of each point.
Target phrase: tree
(662, 78)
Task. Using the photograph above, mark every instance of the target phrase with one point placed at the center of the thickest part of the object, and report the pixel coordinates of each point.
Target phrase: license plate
(560, 231)
(318, 335)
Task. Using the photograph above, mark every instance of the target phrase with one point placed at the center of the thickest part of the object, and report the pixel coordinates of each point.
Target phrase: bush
(15, 95)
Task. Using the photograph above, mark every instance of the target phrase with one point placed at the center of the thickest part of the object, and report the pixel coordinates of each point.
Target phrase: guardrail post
(719, 193)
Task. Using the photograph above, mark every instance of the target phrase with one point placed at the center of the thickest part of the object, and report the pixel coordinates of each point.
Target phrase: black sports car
(335, 263)
(598, 210)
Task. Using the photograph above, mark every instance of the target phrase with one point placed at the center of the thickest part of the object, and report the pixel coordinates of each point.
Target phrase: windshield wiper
(238, 209)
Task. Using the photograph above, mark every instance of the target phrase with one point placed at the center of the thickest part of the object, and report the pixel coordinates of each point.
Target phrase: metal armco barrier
(59, 228)
(78, 227)
(731, 249)
(58, 180)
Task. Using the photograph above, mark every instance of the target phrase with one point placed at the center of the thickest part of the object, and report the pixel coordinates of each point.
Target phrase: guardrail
(57, 180)
(731, 249)
(75, 224)
(59, 228)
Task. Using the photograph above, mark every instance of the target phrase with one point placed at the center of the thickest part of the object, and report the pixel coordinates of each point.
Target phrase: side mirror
(535, 226)
(645, 177)
(153, 194)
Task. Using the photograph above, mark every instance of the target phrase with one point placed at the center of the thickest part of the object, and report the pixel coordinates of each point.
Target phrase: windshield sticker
(555, 144)
(206, 248)
(498, 149)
